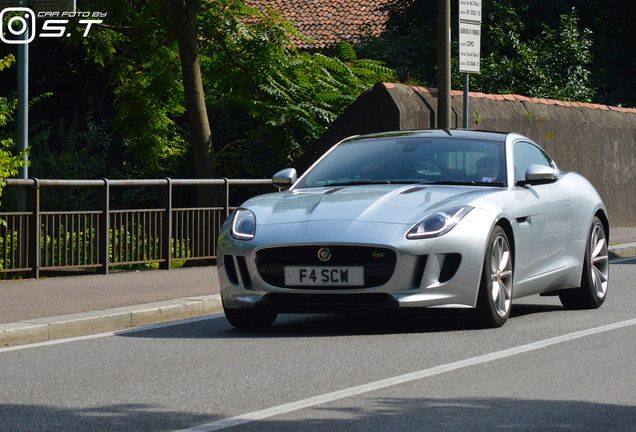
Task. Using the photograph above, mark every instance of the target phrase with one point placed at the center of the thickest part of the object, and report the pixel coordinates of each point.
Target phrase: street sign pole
(466, 79)
(23, 105)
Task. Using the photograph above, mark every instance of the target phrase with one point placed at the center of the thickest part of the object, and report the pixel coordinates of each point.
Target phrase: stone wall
(596, 141)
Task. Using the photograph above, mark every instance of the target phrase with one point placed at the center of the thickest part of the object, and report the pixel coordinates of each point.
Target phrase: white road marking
(112, 333)
(402, 379)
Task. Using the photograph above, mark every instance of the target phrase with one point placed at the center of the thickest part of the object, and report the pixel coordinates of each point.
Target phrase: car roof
(435, 133)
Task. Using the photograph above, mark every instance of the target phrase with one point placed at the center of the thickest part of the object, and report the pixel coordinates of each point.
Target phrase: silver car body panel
(549, 224)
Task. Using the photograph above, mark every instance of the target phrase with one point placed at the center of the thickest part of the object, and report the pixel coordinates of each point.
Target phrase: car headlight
(243, 225)
(438, 223)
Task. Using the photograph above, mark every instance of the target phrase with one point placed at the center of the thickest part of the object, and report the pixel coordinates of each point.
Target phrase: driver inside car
(487, 169)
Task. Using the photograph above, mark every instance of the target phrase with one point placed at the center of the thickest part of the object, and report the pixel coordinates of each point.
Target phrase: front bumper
(437, 272)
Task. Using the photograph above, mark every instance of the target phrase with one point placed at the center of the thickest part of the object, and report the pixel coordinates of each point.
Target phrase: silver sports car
(421, 219)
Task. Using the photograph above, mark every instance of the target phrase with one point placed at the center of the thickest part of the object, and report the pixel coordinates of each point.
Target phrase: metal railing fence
(35, 240)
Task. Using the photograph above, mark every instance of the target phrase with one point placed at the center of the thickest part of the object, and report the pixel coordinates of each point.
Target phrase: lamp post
(23, 101)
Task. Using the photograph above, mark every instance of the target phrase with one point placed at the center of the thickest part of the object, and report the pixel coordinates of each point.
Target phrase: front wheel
(595, 277)
(495, 290)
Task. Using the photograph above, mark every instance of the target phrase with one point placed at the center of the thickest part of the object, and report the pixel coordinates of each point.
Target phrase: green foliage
(250, 64)
(548, 61)
(9, 163)
(552, 65)
(263, 96)
(78, 247)
(137, 47)
(411, 52)
(78, 148)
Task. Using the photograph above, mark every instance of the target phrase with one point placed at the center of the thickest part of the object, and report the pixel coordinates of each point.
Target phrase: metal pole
(443, 64)
(23, 103)
(466, 77)
(103, 250)
(166, 226)
(33, 251)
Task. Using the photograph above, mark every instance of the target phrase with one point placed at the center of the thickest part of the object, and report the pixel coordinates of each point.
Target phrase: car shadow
(520, 310)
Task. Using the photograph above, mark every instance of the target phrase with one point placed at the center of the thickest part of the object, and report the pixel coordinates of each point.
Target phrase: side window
(527, 154)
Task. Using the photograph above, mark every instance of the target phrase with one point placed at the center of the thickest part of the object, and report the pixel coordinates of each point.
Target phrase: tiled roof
(329, 21)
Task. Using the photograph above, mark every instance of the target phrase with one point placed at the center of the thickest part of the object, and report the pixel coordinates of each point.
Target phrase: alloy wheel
(501, 276)
(599, 260)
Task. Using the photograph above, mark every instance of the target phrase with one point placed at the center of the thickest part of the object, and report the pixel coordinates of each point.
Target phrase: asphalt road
(547, 369)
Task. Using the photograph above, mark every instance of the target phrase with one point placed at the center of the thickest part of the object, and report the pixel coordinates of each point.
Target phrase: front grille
(378, 262)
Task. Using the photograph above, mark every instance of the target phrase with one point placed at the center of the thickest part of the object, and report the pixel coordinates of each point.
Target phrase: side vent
(245, 276)
(450, 266)
(230, 269)
(420, 265)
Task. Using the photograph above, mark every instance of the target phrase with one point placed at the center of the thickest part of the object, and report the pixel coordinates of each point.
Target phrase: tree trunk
(184, 13)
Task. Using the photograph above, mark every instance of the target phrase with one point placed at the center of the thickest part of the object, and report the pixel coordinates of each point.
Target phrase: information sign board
(469, 35)
(469, 47)
(470, 10)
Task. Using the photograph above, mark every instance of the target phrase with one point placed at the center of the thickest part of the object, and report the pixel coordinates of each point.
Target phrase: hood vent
(412, 189)
(330, 191)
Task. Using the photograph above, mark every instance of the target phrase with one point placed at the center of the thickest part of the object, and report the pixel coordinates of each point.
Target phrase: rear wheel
(595, 277)
(495, 291)
(247, 319)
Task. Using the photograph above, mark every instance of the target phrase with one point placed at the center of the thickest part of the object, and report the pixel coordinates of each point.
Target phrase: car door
(551, 210)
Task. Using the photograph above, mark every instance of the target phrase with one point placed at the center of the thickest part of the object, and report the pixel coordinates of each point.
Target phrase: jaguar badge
(324, 254)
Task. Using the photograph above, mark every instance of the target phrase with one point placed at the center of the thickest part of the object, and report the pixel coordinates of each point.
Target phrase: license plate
(324, 276)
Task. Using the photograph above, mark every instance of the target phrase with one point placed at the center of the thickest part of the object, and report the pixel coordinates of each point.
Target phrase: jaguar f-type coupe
(418, 219)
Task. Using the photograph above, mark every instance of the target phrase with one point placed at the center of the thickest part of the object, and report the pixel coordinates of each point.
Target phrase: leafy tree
(138, 50)
(286, 97)
(9, 163)
(280, 98)
(544, 61)
(80, 149)
(552, 65)
(611, 24)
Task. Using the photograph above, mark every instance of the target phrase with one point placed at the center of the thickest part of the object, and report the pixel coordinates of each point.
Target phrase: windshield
(410, 160)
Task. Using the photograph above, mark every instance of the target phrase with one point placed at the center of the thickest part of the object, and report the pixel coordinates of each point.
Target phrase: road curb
(624, 250)
(86, 323)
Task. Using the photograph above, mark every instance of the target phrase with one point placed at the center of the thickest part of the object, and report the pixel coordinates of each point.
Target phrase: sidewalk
(67, 306)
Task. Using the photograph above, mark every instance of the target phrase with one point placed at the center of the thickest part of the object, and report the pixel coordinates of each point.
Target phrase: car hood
(400, 204)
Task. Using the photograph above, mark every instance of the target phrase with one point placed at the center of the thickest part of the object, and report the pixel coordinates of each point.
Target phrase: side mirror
(285, 179)
(541, 174)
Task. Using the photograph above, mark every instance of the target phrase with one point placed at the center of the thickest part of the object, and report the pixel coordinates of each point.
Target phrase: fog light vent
(230, 269)
(450, 266)
(245, 276)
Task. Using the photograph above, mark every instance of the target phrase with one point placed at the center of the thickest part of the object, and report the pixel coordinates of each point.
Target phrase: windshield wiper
(441, 182)
(358, 182)
(461, 183)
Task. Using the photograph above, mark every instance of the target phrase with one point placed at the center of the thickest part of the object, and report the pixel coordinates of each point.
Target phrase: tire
(494, 300)
(595, 277)
(247, 319)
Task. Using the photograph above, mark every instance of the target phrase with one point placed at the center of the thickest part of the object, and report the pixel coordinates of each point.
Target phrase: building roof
(329, 21)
